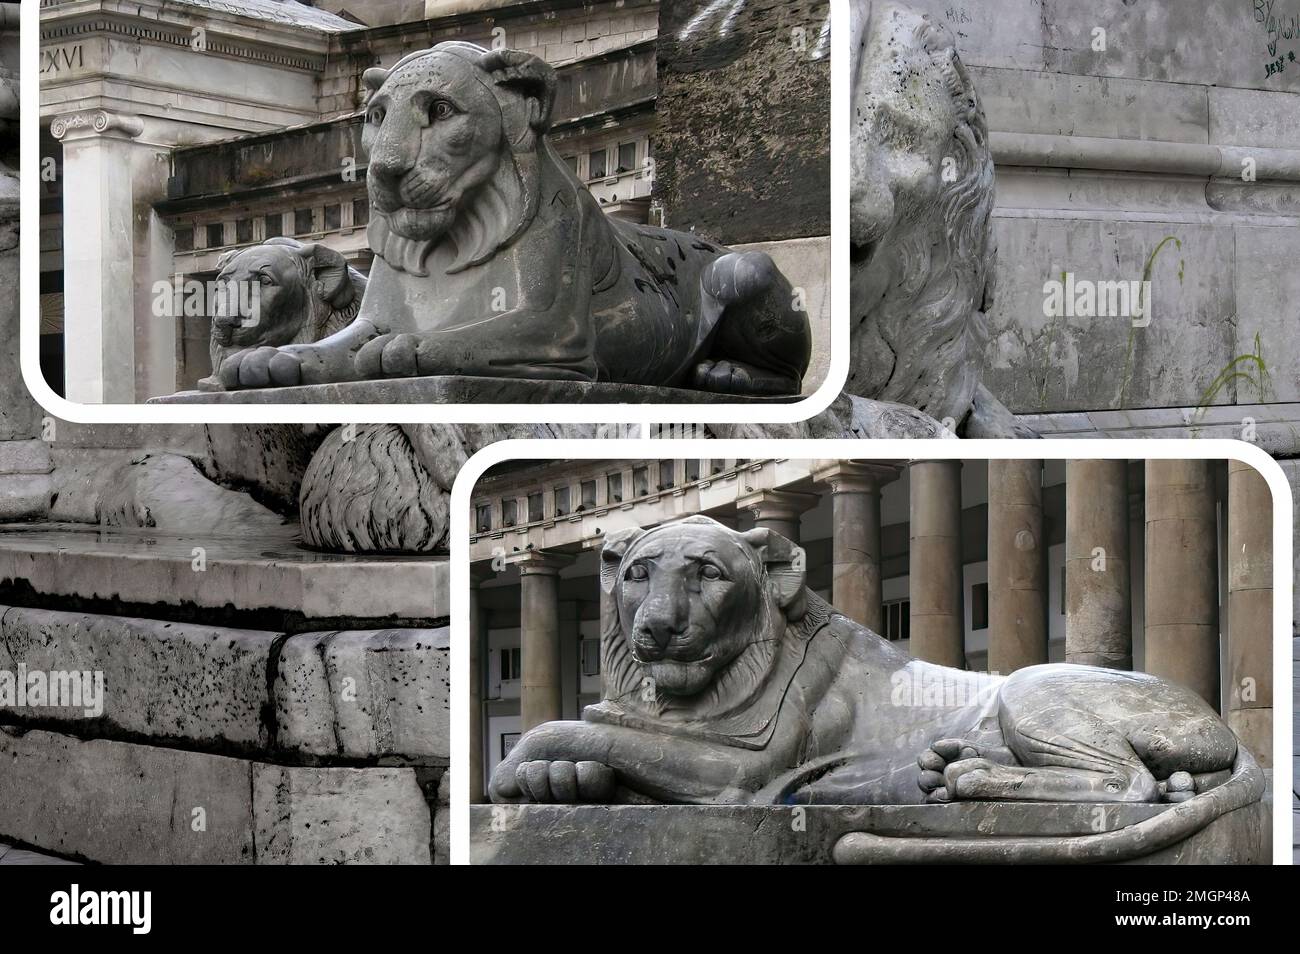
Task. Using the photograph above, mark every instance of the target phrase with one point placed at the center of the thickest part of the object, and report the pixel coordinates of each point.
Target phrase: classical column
(1017, 565)
(1250, 609)
(1098, 595)
(778, 510)
(934, 561)
(1182, 579)
(98, 254)
(478, 574)
(855, 536)
(540, 693)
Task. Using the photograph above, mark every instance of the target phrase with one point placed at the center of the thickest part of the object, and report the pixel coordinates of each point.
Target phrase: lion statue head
(701, 613)
(281, 292)
(920, 215)
(453, 135)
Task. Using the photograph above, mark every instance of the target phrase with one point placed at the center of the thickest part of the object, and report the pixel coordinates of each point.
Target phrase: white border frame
(643, 414)
(1058, 449)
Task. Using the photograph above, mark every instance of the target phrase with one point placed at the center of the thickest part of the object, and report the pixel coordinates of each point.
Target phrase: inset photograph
(871, 661)
(434, 203)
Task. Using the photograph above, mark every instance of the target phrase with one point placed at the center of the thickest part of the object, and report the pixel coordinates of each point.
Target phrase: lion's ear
(374, 77)
(330, 272)
(532, 76)
(611, 556)
(786, 565)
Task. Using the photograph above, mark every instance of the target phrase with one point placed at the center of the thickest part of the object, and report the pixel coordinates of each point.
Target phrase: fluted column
(1017, 566)
(935, 570)
(540, 690)
(855, 536)
(1182, 579)
(778, 510)
(1250, 609)
(1098, 589)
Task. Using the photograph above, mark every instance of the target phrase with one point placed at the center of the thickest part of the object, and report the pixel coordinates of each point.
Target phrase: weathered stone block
(379, 694)
(339, 816)
(201, 685)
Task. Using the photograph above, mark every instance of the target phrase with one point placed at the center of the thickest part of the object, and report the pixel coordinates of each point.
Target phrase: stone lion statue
(280, 292)
(493, 259)
(921, 203)
(728, 681)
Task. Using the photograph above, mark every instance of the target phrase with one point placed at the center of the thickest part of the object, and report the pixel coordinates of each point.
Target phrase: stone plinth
(253, 581)
(446, 389)
(677, 834)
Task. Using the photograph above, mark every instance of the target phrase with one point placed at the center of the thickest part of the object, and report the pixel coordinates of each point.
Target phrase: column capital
(776, 504)
(96, 122)
(850, 476)
(539, 562)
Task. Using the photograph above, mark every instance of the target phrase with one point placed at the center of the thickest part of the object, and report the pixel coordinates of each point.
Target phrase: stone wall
(743, 141)
(1126, 164)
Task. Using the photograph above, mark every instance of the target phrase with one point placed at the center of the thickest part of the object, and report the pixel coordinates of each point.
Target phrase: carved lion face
(694, 595)
(264, 298)
(444, 129)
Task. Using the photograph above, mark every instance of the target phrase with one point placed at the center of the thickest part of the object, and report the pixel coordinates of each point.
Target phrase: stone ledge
(144, 569)
(369, 697)
(118, 803)
(446, 389)
(691, 834)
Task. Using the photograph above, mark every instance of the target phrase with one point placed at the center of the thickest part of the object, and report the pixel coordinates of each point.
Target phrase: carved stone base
(677, 834)
(466, 390)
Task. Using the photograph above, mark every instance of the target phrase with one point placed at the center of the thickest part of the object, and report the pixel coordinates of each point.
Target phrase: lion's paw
(935, 760)
(395, 356)
(1179, 787)
(261, 368)
(565, 782)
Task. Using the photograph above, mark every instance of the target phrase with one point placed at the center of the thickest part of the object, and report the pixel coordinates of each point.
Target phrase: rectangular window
(482, 518)
(535, 508)
(508, 740)
(216, 235)
(302, 221)
(274, 225)
(692, 470)
(1062, 611)
(184, 240)
(588, 495)
(626, 156)
(511, 665)
(509, 512)
(360, 212)
(243, 231)
(572, 163)
(640, 481)
(596, 167)
(979, 606)
(896, 615)
(717, 466)
(614, 488)
(667, 474)
(561, 501)
(591, 657)
(333, 217)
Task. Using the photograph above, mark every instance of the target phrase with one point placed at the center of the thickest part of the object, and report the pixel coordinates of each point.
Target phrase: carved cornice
(98, 122)
(178, 36)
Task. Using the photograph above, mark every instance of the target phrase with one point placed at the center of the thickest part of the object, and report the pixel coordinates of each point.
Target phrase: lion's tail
(1244, 786)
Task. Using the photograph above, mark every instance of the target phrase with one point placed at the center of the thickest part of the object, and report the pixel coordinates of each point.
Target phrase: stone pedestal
(541, 688)
(855, 541)
(447, 389)
(1098, 597)
(778, 510)
(1017, 566)
(1250, 609)
(1182, 575)
(750, 835)
(935, 567)
(25, 469)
